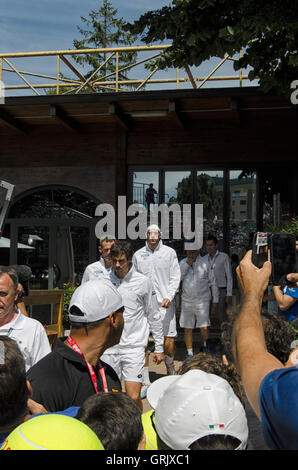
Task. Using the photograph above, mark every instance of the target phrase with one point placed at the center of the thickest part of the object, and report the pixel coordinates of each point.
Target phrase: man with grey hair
(100, 268)
(28, 333)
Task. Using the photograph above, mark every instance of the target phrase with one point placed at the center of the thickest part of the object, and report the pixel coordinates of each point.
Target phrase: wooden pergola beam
(57, 113)
(175, 115)
(118, 116)
(12, 122)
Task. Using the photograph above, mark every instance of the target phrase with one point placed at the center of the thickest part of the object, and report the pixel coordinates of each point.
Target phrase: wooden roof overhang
(81, 112)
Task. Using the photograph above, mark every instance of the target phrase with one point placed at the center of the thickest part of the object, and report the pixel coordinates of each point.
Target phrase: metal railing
(112, 82)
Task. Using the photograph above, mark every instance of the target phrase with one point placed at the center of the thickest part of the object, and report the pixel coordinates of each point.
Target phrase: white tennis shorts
(195, 316)
(168, 316)
(128, 364)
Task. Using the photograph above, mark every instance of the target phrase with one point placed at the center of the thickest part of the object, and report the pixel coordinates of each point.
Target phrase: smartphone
(283, 255)
(260, 249)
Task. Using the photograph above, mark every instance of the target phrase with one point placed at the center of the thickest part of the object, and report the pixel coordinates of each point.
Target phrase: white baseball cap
(96, 300)
(153, 227)
(196, 404)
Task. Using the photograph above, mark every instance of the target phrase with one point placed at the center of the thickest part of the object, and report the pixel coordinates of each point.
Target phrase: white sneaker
(144, 389)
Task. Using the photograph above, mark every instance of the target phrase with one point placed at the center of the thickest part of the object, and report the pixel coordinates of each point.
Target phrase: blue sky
(51, 25)
(40, 25)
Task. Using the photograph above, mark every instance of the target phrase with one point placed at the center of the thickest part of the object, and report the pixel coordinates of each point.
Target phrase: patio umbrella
(5, 243)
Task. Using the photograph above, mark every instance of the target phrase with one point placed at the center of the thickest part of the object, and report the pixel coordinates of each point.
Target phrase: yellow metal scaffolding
(111, 82)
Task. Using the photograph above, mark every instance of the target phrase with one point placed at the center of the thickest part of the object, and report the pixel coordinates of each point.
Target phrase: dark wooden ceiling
(233, 106)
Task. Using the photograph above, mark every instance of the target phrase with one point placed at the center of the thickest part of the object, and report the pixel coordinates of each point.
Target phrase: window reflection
(146, 187)
(210, 194)
(178, 187)
(242, 208)
(54, 203)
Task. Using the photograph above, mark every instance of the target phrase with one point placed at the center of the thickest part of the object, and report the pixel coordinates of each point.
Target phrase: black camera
(280, 250)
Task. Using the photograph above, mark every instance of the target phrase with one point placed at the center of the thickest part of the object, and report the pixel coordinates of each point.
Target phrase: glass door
(243, 210)
(145, 188)
(210, 192)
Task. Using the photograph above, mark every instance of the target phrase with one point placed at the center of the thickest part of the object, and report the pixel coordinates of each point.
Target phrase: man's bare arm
(252, 359)
(284, 301)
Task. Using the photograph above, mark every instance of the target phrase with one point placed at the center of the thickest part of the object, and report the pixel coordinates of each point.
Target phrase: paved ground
(157, 371)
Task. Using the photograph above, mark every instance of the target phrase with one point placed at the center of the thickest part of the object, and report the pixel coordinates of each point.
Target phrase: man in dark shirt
(149, 196)
(73, 370)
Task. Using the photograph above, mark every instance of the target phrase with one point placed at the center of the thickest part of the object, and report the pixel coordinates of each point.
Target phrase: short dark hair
(11, 272)
(115, 418)
(212, 237)
(216, 442)
(122, 247)
(13, 388)
(210, 442)
(278, 337)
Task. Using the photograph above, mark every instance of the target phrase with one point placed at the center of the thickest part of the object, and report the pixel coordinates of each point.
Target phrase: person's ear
(112, 317)
(29, 389)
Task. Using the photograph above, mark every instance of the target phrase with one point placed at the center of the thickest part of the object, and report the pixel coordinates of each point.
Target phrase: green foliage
(201, 29)
(206, 191)
(287, 227)
(291, 227)
(68, 291)
(102, 29)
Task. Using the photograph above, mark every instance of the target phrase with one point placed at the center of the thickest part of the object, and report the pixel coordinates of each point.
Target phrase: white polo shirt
(95, 270)
(198, 282)
(221, 266)
(30, 336)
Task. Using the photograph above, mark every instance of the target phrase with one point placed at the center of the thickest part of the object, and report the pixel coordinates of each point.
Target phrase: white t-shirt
(30, 336)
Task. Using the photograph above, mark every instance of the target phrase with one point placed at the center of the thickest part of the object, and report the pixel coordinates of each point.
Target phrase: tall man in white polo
(198, 289)
(221, 265)
(160, 263)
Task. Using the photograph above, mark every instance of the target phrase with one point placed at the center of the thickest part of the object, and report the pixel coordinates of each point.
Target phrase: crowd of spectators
(241, 399)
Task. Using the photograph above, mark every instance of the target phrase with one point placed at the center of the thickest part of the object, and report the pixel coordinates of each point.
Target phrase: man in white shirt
(160, 263)
(221, 265)
(28, 333)
(141, 315)
(198, 288)
(100, 268)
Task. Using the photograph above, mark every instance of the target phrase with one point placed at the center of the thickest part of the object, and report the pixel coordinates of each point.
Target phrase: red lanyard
(101, 370)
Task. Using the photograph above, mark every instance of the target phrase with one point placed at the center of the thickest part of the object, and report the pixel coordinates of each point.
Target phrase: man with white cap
(160, 263)
(141, 314)
(197, 411)
(73, 370)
